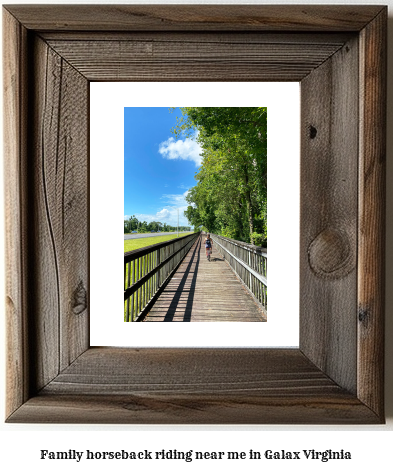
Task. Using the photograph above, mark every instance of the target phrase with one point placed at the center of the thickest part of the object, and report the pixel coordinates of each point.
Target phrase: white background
(370, 445)
(106, 273)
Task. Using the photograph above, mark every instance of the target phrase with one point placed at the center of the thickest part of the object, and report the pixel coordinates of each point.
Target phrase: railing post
(133, 295)
(158, 262)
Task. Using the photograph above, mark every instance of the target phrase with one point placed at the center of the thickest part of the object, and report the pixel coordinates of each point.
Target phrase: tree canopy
(133, 224)
(230, 197)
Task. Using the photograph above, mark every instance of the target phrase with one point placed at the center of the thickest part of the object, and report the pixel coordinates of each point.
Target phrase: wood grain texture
(14, 73)
(371, 245)
(201, 37)
(328, 253)
(195, 17)
(336, 376)
(203, 291)
(198, 385)
(187, 60)
(328, 408)
(59, 185)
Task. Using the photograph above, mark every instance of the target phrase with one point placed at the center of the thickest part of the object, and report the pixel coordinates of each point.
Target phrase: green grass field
(134, 244)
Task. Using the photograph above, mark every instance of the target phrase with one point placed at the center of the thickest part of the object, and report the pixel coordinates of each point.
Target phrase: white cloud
(168, 214)
(187, 149)
(164, 213)
(178, 200)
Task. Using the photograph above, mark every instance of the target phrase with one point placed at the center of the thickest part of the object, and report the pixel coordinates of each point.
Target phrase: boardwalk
(203, 291)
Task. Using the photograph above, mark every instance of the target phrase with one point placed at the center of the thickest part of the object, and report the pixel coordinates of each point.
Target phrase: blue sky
(158, 168)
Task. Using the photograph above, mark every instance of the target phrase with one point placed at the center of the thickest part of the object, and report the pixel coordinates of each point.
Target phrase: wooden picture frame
(338, 54)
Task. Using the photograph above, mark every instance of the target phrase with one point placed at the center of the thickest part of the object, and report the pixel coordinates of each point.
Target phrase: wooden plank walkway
(203, 291)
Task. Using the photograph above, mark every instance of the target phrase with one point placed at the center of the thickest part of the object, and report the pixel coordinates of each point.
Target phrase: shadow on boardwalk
(203, 291)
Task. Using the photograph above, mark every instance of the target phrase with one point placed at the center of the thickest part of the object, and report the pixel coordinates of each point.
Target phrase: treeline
(133, 224)
(230, 197)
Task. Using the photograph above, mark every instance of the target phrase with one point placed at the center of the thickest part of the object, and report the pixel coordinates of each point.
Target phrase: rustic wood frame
(338, 53)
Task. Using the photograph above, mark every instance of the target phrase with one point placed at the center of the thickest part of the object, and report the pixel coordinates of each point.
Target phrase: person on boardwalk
(208, 246)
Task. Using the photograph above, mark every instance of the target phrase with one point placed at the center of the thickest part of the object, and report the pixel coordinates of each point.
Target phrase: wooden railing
(249, 262)
(147, 270)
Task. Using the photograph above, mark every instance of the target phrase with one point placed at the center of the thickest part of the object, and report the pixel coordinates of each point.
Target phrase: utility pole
(178, 222)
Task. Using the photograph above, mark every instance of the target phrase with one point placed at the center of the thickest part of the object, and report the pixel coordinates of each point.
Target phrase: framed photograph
(136, 167)
(51, 56)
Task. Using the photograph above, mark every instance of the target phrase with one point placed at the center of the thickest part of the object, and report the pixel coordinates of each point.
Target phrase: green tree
(230, 197)
(143, 227)
(131, 224)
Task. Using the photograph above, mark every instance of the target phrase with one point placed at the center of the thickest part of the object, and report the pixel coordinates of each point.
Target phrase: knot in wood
(313, 132)
(80, 299)
(330, 254)
(363, 316)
